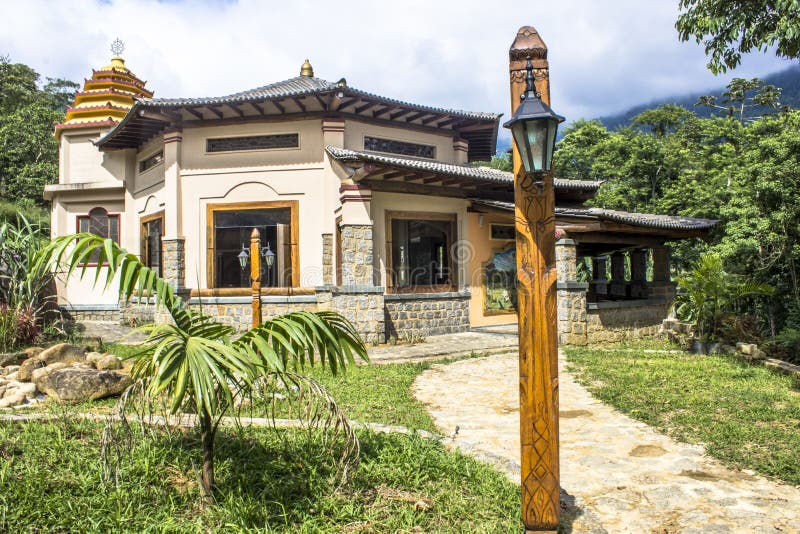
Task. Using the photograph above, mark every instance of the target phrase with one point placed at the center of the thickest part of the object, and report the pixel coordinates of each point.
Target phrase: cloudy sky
(605, 56)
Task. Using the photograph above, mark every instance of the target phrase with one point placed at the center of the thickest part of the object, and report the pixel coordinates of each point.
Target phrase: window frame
(250, 150)
(143, 220)
(294, 232)
(452, 218)
(109, 214)
(510, 225)
(139, 162)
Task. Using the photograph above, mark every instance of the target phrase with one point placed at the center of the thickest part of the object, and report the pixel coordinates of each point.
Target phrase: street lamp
(243, 257)
(269, 256)
(534, 126)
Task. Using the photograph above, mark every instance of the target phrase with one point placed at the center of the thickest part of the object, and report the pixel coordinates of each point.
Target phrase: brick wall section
(357, 255)
(427, 314)
(327, 259)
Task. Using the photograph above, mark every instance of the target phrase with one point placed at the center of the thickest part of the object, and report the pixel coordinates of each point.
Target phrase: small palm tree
(707, 293)
(195, 365)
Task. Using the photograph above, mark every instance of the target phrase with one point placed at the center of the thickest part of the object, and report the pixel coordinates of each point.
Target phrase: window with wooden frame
(419, 247)
(100, 223)
(152, 230)
(151, 161)
(228, 229)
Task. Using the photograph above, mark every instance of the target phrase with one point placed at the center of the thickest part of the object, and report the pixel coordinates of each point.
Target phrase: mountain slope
(788, 80)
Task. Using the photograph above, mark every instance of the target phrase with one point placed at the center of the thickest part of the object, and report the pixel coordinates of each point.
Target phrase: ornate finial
(117, 47)
(307, 69)
(530, 84)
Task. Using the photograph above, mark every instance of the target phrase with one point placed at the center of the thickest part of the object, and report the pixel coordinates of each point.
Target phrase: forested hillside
(787, 80)
(29, 108)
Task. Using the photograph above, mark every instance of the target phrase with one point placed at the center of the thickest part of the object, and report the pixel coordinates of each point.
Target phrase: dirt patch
(574, 414)
(647, 451)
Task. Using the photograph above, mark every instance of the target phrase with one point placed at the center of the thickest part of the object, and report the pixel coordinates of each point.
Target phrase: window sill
(427, 296)
(247, 292)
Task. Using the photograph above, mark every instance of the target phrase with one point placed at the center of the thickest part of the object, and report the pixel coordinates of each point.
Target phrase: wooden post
(538, 341)
(255, 274)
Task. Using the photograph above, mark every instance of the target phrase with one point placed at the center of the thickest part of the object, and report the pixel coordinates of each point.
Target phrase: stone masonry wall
(73, 315)
(364, 308)
(609, 325)
(427, 314)
(327, 259)
(571, 313)
(173, 257)
(357, 255)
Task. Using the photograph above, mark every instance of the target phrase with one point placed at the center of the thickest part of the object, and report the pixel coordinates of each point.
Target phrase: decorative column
(327, 259)
(598, 287)
(173, 253)
(537, 277)
(571, 294)
(616, 289)
(661, 261)
(639, 273)
(255, 275)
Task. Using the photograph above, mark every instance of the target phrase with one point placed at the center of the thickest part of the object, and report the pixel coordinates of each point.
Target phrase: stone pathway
(446, 346)
(619, 475)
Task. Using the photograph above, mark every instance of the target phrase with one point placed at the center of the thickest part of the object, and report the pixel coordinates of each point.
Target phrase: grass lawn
(268, 480)
(745, 415)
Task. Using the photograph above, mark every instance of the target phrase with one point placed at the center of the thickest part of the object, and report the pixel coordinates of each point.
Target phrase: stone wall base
(426, 314)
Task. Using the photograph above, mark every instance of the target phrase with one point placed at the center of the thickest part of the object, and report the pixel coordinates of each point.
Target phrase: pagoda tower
(106, 96)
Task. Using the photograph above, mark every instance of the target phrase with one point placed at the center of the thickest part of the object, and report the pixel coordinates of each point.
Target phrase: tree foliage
(28, 150)
(744, 173)
(730, 28)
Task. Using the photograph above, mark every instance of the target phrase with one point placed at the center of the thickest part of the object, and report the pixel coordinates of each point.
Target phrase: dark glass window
(100, 223)
(503, 231)
(420, 253)
(253, 142)
(151, 161)
(399, 147)
(500, 283)
(152, 231)
(232, 229)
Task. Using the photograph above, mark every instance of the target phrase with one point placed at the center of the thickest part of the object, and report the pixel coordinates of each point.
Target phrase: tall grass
(26, 294)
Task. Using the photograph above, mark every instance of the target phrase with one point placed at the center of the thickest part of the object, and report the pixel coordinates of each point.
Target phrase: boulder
(16, 393)
(85, 365)
(94, 356)
(75, 384)
(40, 373)
(31, 352)
(63, 352)
(28, 367)
(12, 358)
(109, 362)
(14, 398)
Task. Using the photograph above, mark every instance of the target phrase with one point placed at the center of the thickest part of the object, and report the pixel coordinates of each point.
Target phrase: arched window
(100, 223)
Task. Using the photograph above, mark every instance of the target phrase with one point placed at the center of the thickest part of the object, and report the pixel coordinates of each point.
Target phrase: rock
(94, 343)
(12, 358)
(28, 390)
(746, 348)
(758, 354)
(85, 365)
(74, 384)
(109, 362)
(28, 367)
(38, 374)
(13, 376)
(63, 352)
(94, 356)
(14, 399)
(32, 352)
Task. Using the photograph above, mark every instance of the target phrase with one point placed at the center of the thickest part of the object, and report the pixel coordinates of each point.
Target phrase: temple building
(372, 207)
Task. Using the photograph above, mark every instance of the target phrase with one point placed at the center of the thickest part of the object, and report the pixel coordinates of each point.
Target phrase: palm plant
(196, 366)
(708, 293)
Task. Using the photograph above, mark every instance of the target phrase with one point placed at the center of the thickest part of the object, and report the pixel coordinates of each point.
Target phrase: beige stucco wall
(81, 161)
(482, 249)
(383, 202)
(354, 132)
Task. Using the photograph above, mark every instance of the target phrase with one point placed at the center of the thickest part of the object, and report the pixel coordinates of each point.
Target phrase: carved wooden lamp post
(255, 274)
(533, 127)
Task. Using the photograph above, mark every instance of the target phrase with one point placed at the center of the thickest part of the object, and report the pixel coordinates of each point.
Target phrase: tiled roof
(300, 86)
(448, 169)
(645, 220)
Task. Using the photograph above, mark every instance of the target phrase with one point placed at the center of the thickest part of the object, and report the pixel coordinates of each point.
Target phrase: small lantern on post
(255, 275)
(244, 257)
(534, 126)
(269, 260)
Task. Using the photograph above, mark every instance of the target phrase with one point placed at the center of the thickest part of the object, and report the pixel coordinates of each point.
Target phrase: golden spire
(307, 70)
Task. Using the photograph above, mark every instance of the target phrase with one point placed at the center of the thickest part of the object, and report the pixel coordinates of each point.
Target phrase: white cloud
(605, 56)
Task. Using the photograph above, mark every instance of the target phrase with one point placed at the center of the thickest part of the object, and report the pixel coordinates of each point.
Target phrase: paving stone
(679, 488)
